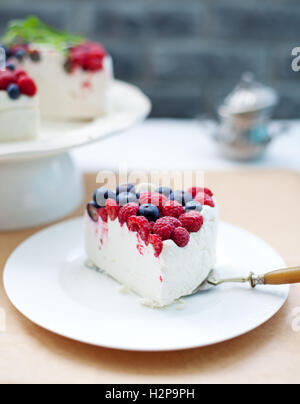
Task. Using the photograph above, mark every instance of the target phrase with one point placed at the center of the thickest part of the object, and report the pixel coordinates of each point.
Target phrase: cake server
(279, 277)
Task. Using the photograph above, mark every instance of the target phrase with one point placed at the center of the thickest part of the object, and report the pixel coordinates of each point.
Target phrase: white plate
(129, 106)
(46, 280)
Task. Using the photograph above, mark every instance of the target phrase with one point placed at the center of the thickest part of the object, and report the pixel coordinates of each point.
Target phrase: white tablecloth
(180, 144)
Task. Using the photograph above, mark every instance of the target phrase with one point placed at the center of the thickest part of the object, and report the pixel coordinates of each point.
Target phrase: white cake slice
(19, 112)
(160, 275)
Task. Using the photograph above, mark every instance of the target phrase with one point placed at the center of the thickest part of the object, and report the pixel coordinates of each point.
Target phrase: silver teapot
(245, 131)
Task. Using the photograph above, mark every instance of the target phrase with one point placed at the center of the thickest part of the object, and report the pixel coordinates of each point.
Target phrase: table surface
(182, 144)
(264, 202)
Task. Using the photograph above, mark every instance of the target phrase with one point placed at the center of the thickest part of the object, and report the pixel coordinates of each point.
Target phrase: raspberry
(191, 222)
(102, 212)
(196, 190)
(157, 243)
(19, 72)
(112, 208)
(153, 198)
(172, 220)
(88, 55)
(93, 62)
(164, 228)
(173, 208)
(181, 237)
(205, 199)
(27, 86)
(141, 225)
(131, 209)
(6, 78)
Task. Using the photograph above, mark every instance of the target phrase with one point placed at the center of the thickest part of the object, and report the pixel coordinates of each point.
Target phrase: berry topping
(125, 188)
(20, 54)
(175, 222)
(27, 86)
(164, 228)
(173, 208)
(13, 91)
(10, 67)
(196, 190)
(101, 195)
(6, 78)
(112, 208)
(150, 212)
(92, 211)
(126, 197)
(35, 55)
(88, 56)
(181, 237)
(141, 225)
(191, 222)
(157, 243)
(182, 197)
(193, 206)
(165, 191)
(153, 198)
(205, 199)
(131, 209)
(102, 212)
(20, 72)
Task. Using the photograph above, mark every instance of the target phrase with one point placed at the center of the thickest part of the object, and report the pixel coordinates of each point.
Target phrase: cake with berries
(161, 245)
(19, 105)
(73, 74)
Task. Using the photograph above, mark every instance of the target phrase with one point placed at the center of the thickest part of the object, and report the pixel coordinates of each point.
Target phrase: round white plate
(129, 106)
(46, 280)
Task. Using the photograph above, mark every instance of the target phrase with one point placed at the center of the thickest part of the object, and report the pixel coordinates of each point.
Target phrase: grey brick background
(185, 54)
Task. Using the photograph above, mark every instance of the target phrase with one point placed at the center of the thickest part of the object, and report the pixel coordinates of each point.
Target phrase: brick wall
(185, 54)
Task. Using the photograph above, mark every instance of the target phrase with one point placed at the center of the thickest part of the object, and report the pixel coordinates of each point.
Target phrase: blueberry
(193, 205)
(92, 211)
(20, 54)
(125, 188)
(35, 56)
(165, 191)
(126, 197)
(13, 91)
(181, 197)
(11, 67)
(150, 212)
(101, 195)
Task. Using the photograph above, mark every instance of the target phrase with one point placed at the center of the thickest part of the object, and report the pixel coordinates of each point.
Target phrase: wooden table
(266, 203)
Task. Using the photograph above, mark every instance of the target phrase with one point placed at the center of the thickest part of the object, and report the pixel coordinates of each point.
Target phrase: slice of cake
(19, 105)
(161, 245)
(72, 73)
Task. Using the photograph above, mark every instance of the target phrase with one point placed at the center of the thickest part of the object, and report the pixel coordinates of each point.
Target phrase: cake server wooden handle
(282, 277)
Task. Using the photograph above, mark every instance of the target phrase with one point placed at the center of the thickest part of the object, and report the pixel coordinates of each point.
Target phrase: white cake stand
(39, 183)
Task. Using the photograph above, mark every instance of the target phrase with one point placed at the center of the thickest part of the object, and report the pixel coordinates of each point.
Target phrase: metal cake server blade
(279, 277)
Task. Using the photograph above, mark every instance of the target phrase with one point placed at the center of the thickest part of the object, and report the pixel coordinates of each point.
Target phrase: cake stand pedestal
(38, 191)
(39, 182)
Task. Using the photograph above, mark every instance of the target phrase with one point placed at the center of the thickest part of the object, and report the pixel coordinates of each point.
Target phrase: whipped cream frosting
(19, 118)
(158, 281)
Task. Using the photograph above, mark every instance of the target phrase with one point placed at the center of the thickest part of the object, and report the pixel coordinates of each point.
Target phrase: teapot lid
(249, 96)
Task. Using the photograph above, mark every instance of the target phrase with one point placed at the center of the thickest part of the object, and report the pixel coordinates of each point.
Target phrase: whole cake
(19, 105)
(73, 74)
(161, 245)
